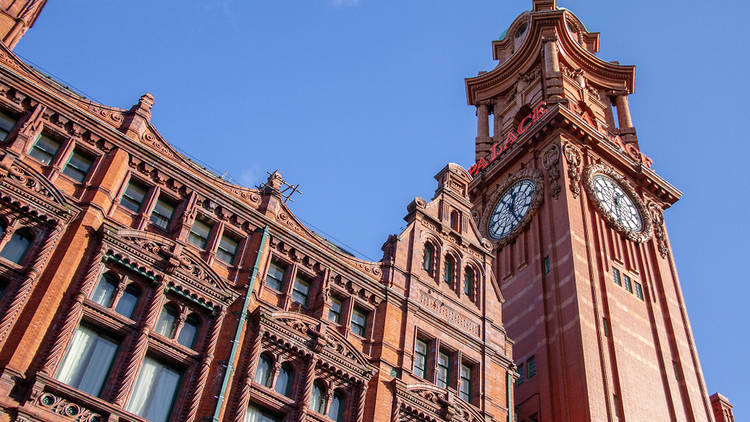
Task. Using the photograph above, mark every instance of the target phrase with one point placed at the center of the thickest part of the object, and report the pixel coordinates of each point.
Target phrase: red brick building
(135, 285)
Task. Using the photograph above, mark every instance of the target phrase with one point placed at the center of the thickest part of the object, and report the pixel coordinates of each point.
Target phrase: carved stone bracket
(573, 158)
(551, 162)
(657, 219)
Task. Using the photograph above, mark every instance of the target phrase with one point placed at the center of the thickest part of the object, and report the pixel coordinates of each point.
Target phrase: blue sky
(362, 102)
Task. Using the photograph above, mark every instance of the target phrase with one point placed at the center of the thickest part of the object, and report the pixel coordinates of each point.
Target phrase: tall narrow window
(154, 391)
(129, 300)
(317, 399)
(227, 249)
(15, 250)
(87, 361)
(284, 380)
(334, 312)
(466, 380)
(605, 323)
(468, 281)
(189, 331)
(275, 276)
(162, 214)
(443, 369)
(628, 284)
(455, 221)
(133, 197)
(167, 321)
(44, 149)
(263, 371)
(427, 259)
(336, 408)
(616, 274)
(448, 270)
(359, 321)
(300, 290)
(420, 358)
(78, 166)
(6, 125)
(105, 290)
(256, 415)
(531, 367)
(546, 265)
(199, 234)
(521, 374)
(638, 290)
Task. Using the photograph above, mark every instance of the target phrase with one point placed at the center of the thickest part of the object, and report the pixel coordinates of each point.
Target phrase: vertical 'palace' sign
(498, 148)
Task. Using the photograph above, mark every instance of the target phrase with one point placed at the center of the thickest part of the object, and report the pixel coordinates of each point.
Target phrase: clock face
(511, 208)
(617, 203)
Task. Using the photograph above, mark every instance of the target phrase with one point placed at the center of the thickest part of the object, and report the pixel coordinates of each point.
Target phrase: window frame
(335, 299)
(303, 279)
(366, 317)
(447, 367)
(229, 235)
(87, 154)
(54, 138)
(146, 189)
(5, 113)
(166, 199)
(462, 380)
(211, 227)
(425, 357)
(283, 266)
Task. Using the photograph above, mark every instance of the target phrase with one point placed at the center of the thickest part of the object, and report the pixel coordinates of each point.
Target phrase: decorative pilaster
(483, 140)
(205, 367)
(657, 219)
(396, 410)
(303, 401)
(246, 381)
(139, 345)
(359, 411)
(21, 296)
(573, 158)
(70, 323)
(551, 162)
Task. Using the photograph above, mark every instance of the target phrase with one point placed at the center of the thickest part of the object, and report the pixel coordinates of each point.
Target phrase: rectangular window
(199, 234)
(359, 322)
(420, 358)
(618, 409)
(6, 125)
(154, 391)
(88, 360)
(616, 274)
(275, 276)
(628, 284)
(78, 166)
(546, 265)
(521, 374)
(638, 290)
(133, 197)
(162, 214)
(465, 391)
(44, 149)
(606, 327)
(444, 365)
(300, 290)
(531, 367)
(334, 312)
(676, 370)
(227, 249)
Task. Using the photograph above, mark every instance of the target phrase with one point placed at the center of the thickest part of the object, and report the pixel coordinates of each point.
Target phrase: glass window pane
(275, 276)
(427, 258)
(127, 303)
(44, 149)
(105, 290)
(336, 408)
(638, 290)
(616, 273)
(256, 415)
(420, 358)
(465, 382)
(284, 380)
(359, 322)
(166, 323)
(334, 313)
(162, 213)
(16, 248)
(154, 391)
(443, 369)
(263, 371)
(468, 281)
(227, 249)
(6, 125)
(199, 234)
(300, 291)
(133, 197)
(189, 331)
(78, 166)
(628, 285)
(317, 401)
(87, 361)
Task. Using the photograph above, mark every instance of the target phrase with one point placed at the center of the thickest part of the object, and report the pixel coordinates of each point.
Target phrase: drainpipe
(240, 325)
(509, 380)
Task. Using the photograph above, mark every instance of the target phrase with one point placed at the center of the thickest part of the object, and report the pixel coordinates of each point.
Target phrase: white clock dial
(511, 209)
(617, 203)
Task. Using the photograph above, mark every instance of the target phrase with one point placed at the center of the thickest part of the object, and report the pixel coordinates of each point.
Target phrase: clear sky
(361, 102)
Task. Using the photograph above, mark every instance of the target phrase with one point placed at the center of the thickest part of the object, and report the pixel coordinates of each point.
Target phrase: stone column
(552, 75)
(359, 411)
(246, 381)
(304, 395)
(623, 111)
(483, 140)
(191, 415)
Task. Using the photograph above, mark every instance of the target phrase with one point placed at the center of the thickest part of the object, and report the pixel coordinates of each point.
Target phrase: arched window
(455, 221)
(167, 321)
(18, 245)
(429, 253)
(263, 372)
(468, 281)
(336, 409)
(189, 331)
(449, 270)
(318, 400)
(129, 300)
(105, 290)
(284, 380)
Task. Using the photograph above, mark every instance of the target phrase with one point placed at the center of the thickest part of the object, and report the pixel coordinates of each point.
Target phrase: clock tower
(575, 212)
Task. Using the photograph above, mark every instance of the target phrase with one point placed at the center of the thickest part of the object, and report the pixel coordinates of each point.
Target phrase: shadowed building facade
(135, 285)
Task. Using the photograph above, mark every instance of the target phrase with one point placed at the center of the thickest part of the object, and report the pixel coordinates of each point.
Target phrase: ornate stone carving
(533, 74)
(588, 184)
(449, 314)
(657, 219)
(551, 162)
(536, 202)
(573, 158)
(66, 408)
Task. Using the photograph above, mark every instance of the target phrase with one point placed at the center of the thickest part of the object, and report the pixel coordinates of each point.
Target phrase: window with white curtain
(189, 331)
(128, 301)
(87, 361)
(336, 409)
(256, 415)
(317, 399)
(284, 380)
(167, 321)
(105, 290)
(263, 371)
(155, 390)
